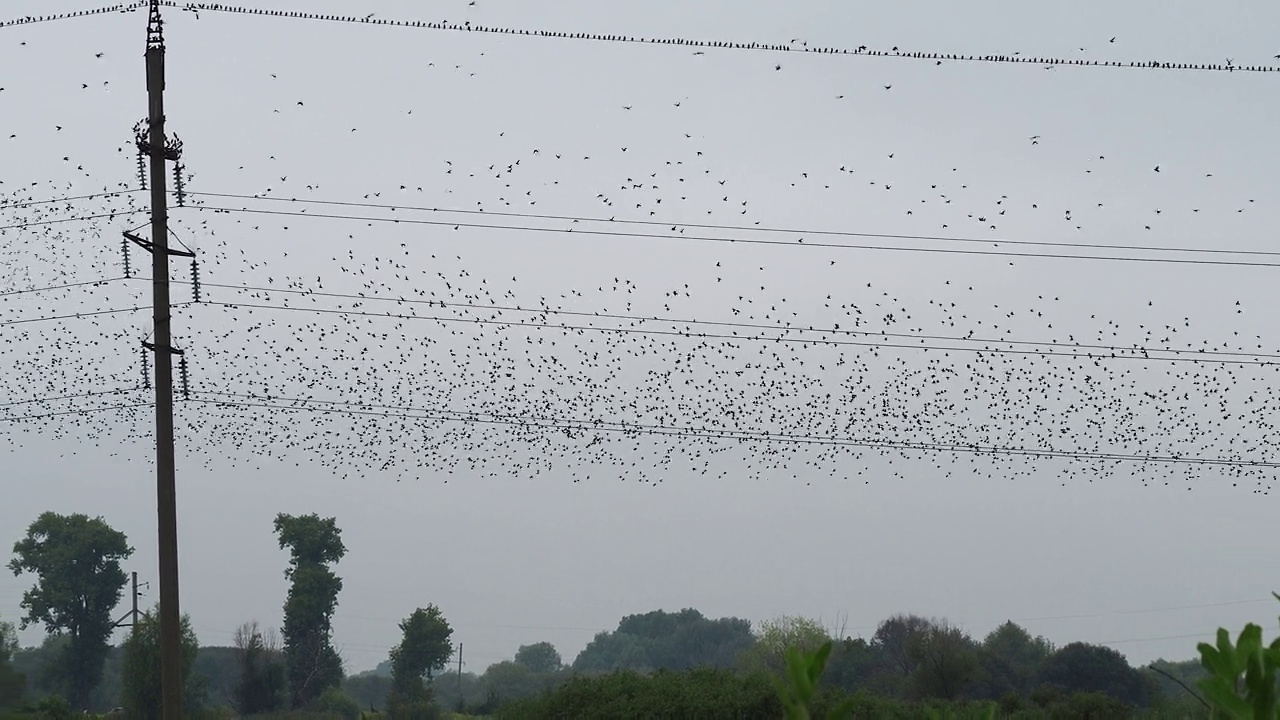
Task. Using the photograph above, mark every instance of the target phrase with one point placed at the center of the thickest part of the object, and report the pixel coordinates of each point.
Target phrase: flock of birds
(388, 344)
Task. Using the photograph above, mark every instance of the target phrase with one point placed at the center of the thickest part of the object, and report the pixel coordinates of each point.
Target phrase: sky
(703, 245)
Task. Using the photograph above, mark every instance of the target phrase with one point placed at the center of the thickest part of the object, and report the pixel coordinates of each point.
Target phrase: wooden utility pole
(160, 150)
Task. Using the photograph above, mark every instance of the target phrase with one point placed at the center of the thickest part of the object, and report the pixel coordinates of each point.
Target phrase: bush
(336, 702)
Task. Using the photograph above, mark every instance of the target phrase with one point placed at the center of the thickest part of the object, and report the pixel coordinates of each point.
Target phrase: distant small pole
(459, 677)
(135, 599)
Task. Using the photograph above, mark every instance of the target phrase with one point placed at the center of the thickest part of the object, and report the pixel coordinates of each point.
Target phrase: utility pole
(460, 704)
(156, 146)
(132, 615)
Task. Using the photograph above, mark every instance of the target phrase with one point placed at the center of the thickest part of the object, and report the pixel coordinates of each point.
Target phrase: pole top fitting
(155, 27)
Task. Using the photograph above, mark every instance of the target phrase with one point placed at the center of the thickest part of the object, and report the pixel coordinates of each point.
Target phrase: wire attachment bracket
(151, 247)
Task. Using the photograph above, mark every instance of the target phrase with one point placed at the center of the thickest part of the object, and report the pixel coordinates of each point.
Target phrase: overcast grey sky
(520, 535)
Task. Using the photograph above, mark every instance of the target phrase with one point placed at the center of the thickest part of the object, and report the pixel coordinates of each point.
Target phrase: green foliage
(701, 693)
(76, 560)
(261, 684)
(1009, 661)
(51, 707)
(1242, 676)
(423, 651)
(313, 666)
(140, 673)
(801, 686)
(774, 638)
(1081, 667)
(370, 690)
(12, 683)
(663, 640)
(540, 657)
(945, 660)
(337, 702)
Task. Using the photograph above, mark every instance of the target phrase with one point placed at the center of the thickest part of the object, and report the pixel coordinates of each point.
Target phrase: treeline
(655, 664)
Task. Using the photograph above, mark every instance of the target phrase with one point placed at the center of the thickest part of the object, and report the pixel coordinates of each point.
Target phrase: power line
(748, 241)
(72, 198)
(1114, 354)
(1200, 355)
(33, 19)
(748, 228)
(37, 223)
(1162, 637)
(57, 398)
(94, 283)
(1088, 616)
(79, 411)
(861, 51)
(629, 428)
(93, 313)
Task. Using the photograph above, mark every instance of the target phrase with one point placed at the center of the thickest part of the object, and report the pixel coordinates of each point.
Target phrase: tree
(775, 637)
(140, 674)
(540, 657)
(12, 684)
(664, 640)
(945, 659)
(894, 638)
(314, 543)
(261, 686)
(1081, 667)
(423, 651)
(77, 562)
(1010, 660)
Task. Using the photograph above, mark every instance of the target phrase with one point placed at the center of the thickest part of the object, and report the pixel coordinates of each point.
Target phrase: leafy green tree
(370, 690)
(314, 543)
(506, 681)
(261, 686)
(1009, 660)
(775, 637)
(663, 640)
(12, 684)
(892, 643)
(852, 662)
(945, 659)
(334, 701)
(539, 657)
(77, 562)
(1081, 667)
(140, 673)
(422, 652)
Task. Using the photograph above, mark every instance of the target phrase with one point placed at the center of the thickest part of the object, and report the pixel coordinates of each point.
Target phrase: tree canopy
(665, 640)
(76, 560)
(539, 657)
(314, 543)
(140, 671)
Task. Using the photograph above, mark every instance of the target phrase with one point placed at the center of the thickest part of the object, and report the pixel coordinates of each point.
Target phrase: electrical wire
(58, 398)
(1106, 351)
(727, 323)
(746, 241)
(571, 425)
(95, 283)
(37, 223)
(73, 198)
(1114, 354)
(33, 19)
(861, 51)
(78, 411)
(92, 313)
(748, 228)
